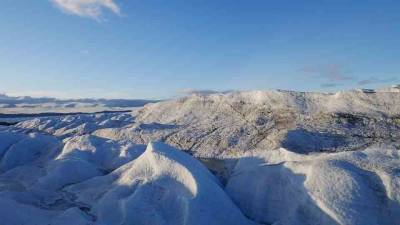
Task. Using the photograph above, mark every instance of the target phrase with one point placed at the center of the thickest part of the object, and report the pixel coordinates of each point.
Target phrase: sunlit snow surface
(274, 157)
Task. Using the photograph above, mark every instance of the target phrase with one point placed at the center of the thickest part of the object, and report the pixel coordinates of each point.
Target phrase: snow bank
(340, 188)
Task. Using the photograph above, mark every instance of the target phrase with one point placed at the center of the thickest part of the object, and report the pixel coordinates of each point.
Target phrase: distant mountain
(11, 100)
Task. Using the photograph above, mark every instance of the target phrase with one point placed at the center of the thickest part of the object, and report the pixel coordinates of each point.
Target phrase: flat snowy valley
(257, 157)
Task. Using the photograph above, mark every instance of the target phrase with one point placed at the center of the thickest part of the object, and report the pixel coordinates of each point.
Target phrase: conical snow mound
(162, 186)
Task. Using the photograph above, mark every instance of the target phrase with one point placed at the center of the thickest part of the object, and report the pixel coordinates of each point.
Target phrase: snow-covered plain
(272, 157)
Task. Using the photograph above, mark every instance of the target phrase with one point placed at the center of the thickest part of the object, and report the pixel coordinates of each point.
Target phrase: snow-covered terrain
(272, 157)
(16, 109)
(227, 125)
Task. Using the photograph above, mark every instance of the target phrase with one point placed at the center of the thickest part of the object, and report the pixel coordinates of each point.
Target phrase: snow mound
(162, 186)
(87, 156)
(283, 187)
(18, 149)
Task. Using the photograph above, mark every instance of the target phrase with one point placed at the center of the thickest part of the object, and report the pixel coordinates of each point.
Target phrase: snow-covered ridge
(227, 125)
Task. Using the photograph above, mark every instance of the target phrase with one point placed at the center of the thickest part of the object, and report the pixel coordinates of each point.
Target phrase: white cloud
(87, 8)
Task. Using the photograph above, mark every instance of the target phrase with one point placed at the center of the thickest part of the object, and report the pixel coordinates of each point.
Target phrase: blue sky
(159, 48)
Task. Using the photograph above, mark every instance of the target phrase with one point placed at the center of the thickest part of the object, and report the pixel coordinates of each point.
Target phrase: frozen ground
(274, 157)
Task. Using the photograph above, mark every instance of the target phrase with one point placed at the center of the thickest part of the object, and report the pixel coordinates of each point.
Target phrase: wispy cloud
(201, 91)
(87, 8)
(329, 85)
(376, 80)
(330, 72)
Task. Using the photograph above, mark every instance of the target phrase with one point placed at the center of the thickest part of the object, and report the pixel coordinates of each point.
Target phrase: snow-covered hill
(276, 157)
(227, 125)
